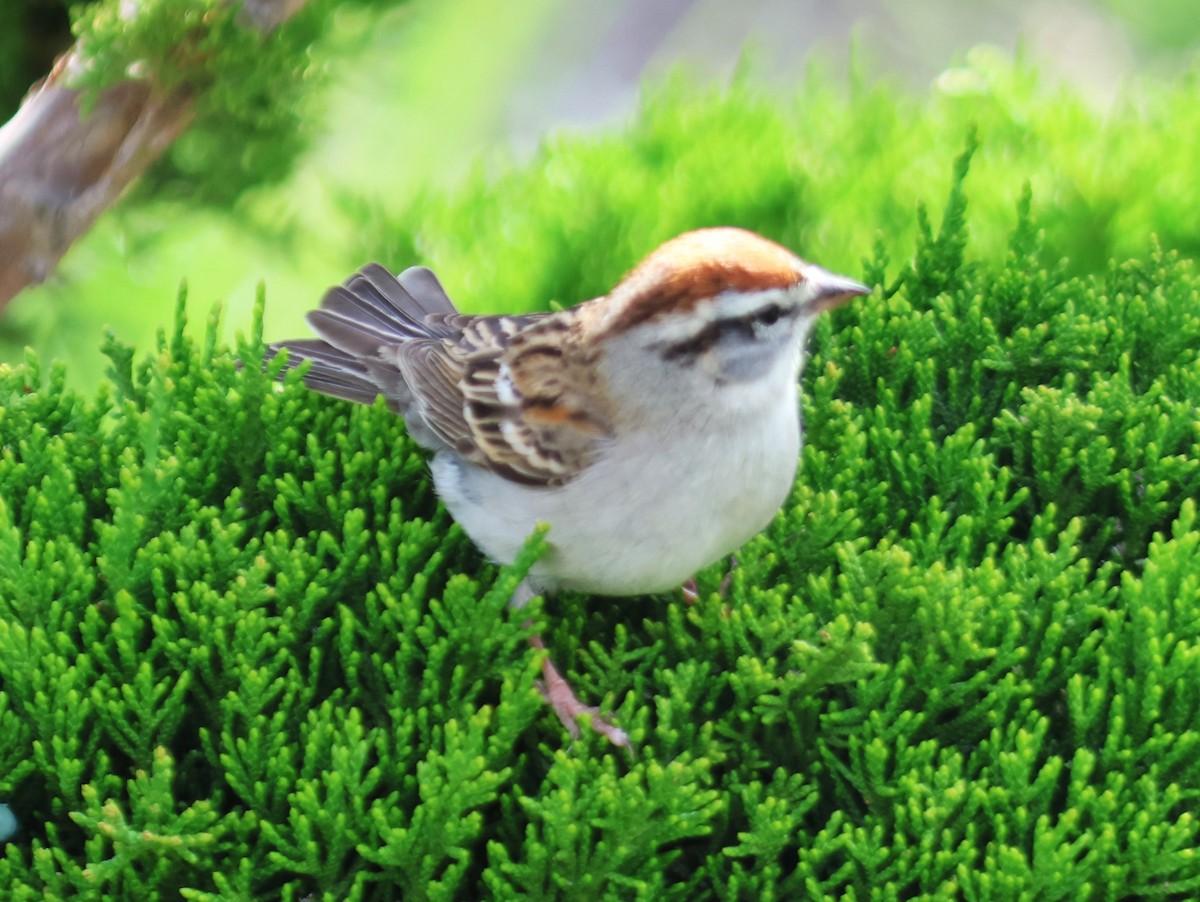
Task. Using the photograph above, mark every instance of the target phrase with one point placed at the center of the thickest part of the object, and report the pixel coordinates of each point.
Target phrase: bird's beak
(828, 290)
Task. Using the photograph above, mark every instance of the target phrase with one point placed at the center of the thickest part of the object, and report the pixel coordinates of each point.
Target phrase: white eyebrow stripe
(735, 305)
(677, 328)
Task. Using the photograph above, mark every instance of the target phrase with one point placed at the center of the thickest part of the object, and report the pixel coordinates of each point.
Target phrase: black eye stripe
(743, 326)
(769, 315)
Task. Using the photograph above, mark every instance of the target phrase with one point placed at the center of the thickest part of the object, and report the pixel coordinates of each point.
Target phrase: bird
(654, 429)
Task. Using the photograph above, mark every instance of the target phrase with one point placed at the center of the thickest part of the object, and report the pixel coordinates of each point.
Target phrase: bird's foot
(691, 592)
(566, 704)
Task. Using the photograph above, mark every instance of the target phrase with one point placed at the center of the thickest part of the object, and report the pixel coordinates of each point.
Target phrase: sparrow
(654, 429)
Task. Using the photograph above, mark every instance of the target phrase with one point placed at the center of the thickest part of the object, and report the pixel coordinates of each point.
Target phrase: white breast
(645, 516)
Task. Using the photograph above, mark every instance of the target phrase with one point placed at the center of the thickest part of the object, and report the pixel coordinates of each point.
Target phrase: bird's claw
(558, 692)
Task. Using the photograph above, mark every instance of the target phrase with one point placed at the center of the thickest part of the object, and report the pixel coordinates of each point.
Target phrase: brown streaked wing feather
(532, 409)
(432, 376)
(432, 372)
(509, 393)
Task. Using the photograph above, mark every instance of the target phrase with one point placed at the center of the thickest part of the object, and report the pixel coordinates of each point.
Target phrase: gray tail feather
(334, 373)
(374, 309)
(357, 320)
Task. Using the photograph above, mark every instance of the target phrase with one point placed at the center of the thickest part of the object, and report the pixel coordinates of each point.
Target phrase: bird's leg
(558, 692)
(691, 592)
(728, 577)
(566, 704)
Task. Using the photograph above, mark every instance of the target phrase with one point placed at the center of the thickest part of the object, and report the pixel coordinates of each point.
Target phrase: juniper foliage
(252, 87)
(244, 654)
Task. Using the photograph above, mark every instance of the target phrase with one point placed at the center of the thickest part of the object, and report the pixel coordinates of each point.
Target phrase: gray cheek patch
(743, 364)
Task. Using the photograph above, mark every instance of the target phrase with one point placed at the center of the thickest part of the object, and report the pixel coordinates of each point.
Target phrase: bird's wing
(508, 393)
(531, 405)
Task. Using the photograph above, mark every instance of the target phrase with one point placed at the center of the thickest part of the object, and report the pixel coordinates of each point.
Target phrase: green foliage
(829, 173)
(832, 172)
(244, 654)
(1160, 24)
(250, 86)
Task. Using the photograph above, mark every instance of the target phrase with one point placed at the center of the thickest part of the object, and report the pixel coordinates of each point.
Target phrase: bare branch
(61, 168)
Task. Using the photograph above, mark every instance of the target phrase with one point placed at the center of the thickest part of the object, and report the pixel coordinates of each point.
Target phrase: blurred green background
(423, 102)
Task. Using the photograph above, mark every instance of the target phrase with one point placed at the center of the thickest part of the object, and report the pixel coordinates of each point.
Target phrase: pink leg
(691, 592)
(567, 705)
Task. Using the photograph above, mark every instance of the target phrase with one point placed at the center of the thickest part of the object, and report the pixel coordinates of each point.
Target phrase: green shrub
(251, 86)
(830, 171)
(833, 173)
(244, 654)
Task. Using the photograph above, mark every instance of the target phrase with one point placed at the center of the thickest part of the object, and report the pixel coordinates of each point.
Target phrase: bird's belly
(654, 535)
(643, 518)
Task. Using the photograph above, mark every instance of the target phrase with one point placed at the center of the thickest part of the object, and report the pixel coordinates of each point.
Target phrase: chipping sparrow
(655, 429)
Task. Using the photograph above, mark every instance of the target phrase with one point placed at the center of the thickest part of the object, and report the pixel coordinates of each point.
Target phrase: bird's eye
(769, 315)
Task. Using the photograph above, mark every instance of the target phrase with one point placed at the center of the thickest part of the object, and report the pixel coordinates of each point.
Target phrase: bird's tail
(359, 322)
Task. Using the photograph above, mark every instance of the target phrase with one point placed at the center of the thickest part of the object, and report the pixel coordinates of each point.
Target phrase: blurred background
(421, 94)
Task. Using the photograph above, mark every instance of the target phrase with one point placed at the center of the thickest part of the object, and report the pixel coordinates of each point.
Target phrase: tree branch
(60, 168)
